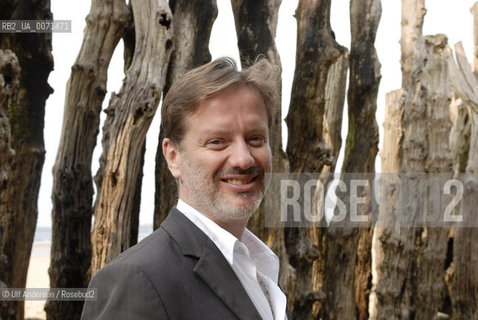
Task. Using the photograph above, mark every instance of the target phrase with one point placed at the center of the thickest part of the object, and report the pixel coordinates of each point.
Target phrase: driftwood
(347, 249)
(9, 82)
(334, 107)
(26, 112)
(459, 139)
(464, 277)
(409, 256)
(307, 150)
(413, 14)
(72, 178)
(129, 115)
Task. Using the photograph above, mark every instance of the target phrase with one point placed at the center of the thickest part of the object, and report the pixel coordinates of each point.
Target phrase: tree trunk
(464, 282)
(332, 133)
(26, 112)
(9, 81)
(363, 88)
(413, 13)
(192, 21)
(348, 258)
(459, 135)
(391, 155)
(433, 241)
(317, 51)
(6, 9)
(334, 108)
(129, 115)
(307, 150)
(409, 256)
(72, 193)
(256, 25)
(129, 40)
(394, 262)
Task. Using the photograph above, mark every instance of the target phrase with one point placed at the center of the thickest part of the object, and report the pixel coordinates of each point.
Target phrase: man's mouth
(242, 180)
(239, 181)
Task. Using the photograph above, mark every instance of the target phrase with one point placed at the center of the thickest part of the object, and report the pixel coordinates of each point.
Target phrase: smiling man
(202, 263)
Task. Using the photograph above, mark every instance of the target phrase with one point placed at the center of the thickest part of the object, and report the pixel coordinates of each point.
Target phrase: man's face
(225, 154)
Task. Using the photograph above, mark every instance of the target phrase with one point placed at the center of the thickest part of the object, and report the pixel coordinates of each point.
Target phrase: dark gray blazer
(175, 273)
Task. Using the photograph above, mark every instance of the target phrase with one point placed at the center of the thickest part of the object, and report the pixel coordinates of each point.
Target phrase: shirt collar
(266, 261)
(223, 239)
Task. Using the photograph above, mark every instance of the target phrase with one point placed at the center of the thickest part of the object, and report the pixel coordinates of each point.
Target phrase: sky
(452, 18)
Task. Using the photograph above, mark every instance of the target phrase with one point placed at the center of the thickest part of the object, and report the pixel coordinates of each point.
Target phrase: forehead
(233, 104)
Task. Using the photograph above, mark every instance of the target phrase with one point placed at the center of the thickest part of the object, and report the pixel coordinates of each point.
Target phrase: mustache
(252, 170)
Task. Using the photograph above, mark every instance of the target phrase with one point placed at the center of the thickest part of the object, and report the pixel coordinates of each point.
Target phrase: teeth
(237, 181)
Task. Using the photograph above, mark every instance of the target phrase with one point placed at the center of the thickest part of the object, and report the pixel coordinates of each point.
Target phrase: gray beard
(210, 202)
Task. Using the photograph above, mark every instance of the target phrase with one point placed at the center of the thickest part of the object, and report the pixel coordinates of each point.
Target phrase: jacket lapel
(212, 267)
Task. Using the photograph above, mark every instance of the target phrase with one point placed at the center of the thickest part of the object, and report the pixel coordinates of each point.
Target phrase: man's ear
(171, 154)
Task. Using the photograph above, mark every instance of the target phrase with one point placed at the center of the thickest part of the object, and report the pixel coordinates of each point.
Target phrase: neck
(236, 227)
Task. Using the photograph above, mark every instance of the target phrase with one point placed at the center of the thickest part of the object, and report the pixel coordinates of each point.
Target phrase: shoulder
(154, 253)
(130, 286)
(124, 290)
(173, 249)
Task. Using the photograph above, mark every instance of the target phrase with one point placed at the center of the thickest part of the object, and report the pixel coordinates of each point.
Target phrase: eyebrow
(212, 132)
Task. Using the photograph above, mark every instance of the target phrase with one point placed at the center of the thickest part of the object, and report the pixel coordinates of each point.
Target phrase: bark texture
(334, 108)
(347, 271)
(256, 24)
(9, 82)
(6, 9)
(394, 252)
(129, 41)
(25, 110)
(72, 192)
(192, 21)
(464, 282)
(409, 256)
(459, 135)
(332, 130)
(307, 150)
(413, 14)
(433, 240)
(129, 115)
(363, 87)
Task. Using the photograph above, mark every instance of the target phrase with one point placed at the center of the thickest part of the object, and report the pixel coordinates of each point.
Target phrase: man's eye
(257, 140)
(215, 143)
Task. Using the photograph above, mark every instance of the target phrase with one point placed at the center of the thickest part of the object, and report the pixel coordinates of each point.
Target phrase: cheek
(208, 165)
(212, 160)
(264, 157)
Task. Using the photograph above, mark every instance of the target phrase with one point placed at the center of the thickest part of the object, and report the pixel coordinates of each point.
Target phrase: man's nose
(241, 156)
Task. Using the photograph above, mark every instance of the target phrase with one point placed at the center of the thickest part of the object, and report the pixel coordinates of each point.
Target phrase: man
(202, 263)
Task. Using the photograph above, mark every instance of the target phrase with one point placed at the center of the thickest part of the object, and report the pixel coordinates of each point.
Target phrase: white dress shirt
(254, 264)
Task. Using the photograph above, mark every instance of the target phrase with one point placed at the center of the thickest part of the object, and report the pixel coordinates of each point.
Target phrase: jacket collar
(212, 267)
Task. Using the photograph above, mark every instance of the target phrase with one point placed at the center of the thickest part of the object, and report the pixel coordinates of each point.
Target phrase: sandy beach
(37, 278)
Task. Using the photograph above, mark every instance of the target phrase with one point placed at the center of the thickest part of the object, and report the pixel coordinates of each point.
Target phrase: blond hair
(197, 85)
